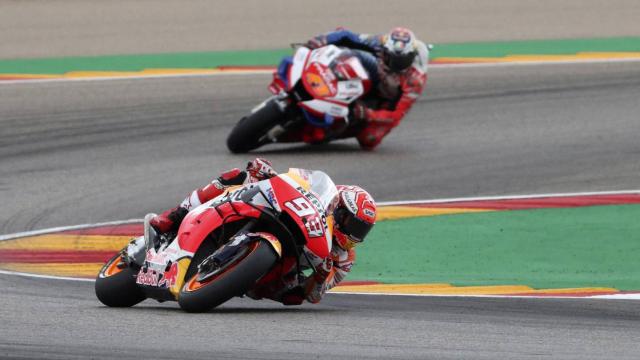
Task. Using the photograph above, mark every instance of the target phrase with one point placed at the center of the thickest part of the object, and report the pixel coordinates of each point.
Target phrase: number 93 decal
(314, 223)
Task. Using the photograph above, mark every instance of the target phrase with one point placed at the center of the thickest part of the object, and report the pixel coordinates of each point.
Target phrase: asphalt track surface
(85, 151)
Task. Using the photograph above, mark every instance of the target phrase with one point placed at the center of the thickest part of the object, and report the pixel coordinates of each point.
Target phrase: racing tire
(247, 133)
(116, 287)
(234, 280)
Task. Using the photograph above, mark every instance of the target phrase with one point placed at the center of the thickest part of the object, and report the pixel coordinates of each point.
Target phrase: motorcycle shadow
(274, 309)
(270, 310)
(311, 149)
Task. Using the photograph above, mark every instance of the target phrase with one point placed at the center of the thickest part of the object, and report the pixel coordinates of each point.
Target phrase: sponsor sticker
(271, 196)
(349, 198)
(314, 225)
(368, 212)
(149, 278)
(168, 278)
(165, 279)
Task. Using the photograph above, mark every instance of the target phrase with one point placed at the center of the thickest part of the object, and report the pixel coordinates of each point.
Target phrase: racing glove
(316, 42)
(360, 112)
(260, 169)
(315, 286)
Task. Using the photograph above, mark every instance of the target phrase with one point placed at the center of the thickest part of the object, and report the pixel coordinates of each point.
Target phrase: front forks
(228, 252)
(283, 102)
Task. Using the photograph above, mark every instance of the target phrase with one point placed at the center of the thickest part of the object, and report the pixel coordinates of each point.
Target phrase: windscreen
(323, 186)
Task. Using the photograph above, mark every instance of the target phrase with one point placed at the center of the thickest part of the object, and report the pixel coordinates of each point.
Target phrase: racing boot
(137, 249)
(169, 220)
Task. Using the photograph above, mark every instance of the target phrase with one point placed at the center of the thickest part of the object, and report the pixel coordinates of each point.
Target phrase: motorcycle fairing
(332, 94)
(203, 220)
(294, 191)
(319, 81)
(318, 107)
(295, 71)
(199, 223)
(349, 90)
(165, 268)
(333, 74)
(271, 200)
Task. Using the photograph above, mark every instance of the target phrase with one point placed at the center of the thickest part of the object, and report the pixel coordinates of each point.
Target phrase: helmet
(354, 215)
(399, 49)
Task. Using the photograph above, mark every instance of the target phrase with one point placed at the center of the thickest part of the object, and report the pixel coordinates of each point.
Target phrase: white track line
(632, 296)
(17, 273)
(508, 197)
(258, 72)
(132, 77)
(540, 62)
(66, 228)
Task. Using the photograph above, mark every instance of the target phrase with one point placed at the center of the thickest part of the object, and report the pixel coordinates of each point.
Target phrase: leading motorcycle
(245, 241)
(313, 89)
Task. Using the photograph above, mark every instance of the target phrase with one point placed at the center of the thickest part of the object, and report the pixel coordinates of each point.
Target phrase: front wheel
(116, 284)
(232, 279)
(250, 132)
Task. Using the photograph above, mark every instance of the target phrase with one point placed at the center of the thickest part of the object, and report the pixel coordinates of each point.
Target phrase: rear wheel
(231, 279)
(250, 132)
(116, 284)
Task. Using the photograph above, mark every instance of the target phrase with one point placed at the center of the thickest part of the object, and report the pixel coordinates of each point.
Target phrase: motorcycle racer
(400, 78)
(354, 216)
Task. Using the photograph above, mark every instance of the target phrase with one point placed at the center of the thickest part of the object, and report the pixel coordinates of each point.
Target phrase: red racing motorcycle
(247, 240)
(312, 89)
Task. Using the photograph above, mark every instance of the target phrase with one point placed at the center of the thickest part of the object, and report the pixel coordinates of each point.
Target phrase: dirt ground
(37, 28)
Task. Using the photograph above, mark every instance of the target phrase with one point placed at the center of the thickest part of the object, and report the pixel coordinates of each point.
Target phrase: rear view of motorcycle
(313, 89)
(247, 239)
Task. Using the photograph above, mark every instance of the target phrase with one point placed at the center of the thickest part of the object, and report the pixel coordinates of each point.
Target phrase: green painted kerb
(545, 248)
(272, 57)
(197, 60)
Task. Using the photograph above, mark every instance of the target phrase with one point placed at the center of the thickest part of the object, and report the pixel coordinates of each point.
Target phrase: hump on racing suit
(346, 38)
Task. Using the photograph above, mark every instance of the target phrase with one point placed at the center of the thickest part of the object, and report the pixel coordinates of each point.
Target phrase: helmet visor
(399, 62)
(351, 226)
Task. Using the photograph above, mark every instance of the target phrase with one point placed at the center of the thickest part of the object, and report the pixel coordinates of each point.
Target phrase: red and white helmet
(399, 49)
(354, 216)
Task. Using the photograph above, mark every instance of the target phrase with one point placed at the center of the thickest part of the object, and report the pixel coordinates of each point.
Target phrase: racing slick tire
(249, 132)
(116, 286)
(234, 279)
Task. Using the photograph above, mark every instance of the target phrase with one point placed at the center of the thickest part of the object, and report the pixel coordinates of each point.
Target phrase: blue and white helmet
(399, 49)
